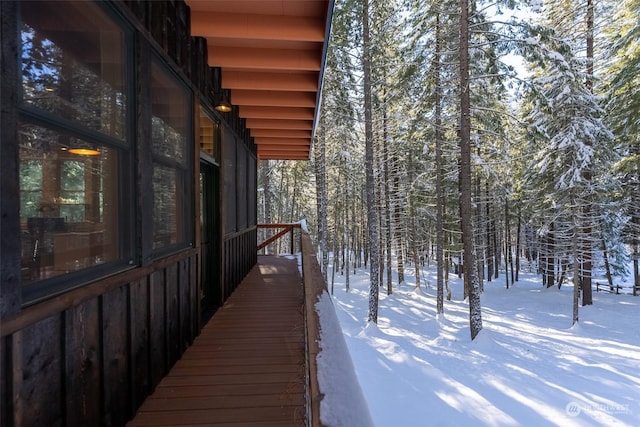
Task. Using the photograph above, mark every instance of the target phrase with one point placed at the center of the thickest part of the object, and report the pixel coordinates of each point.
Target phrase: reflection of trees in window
(72, 192)
(167, 141)
(73, 68)
(39, 74)
(165, 215)
(74, 208)
(30, 188)
(69, 204)
(170, 123)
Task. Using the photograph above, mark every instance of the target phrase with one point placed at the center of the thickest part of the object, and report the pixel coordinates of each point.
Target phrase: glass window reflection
(73, 64)
(170, 129)
(69, 204)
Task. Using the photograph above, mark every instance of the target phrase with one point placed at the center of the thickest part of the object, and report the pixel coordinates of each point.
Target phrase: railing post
(291, 239)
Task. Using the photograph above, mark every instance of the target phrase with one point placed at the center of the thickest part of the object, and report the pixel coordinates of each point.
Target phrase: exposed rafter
(271, 54)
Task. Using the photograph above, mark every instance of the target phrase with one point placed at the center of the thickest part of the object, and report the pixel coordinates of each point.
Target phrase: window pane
(167, 207)
(209, 135)
(170, 111)
(69, 203)
(171, 129)
(73, 64)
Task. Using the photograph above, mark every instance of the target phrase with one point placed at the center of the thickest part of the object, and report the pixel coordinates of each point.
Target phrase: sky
(529, 366)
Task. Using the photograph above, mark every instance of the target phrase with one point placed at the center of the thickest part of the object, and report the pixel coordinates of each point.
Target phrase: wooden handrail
(279, 225)
(288, 228)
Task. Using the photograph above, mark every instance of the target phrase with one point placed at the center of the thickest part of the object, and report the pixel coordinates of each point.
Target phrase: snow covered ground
(528, 367)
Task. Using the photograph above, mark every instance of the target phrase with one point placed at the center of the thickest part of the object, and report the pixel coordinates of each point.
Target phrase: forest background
(516, 123)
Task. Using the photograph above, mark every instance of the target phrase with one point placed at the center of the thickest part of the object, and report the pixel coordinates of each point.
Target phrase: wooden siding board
(6, 402)
(157, 328)
(17, 372)
(39, 401)
(195, 290)
(184, 307)
(83, 364)
(140, 352)
(115, 327)
(172, 318)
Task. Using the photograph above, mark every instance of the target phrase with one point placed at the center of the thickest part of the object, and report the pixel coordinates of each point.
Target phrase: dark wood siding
(116, 361)
(73, 366)
(37, 352)
(140, 342)
(82, 351)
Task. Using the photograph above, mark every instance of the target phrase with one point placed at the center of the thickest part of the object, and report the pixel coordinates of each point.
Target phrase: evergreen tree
(623, 110)
(573, 148)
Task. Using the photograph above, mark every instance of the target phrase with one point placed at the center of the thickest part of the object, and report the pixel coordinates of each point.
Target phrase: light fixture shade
(84, 151)
(223, 106)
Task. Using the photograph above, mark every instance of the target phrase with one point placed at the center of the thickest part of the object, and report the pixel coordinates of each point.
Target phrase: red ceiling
(271, 54)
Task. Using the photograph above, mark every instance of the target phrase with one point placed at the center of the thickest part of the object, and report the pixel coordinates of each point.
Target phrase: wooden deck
(247, 367)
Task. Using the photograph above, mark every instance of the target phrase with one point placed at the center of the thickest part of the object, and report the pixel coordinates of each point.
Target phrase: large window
(75, 168)
(171, 129)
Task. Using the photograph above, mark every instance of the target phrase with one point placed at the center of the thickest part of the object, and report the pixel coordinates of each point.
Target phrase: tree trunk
(518, 231)
(266, 194)
(636, 274)
(576, 291)
(440, 265)
(370, 184)
(496, 251)
(335, 266)
(607, 267)
(490, 249)
(576, 283)
(549, 275)
(322, 197)
(387, 200)
(414, 248)
(587, 297)
(507, 242)
(479, 246)
(346, 258)
(354, 236)
(466, 212)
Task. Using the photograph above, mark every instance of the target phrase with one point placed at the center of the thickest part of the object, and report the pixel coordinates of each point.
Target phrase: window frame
(186, 169)
(43, 289)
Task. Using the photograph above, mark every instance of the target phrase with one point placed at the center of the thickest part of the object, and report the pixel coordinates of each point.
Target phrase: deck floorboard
(247, 366)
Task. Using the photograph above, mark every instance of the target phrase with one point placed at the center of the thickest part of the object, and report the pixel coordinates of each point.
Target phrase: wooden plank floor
(247, 367)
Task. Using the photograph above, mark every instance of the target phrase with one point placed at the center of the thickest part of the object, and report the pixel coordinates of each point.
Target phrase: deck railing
(286, 232)
(314, 285)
